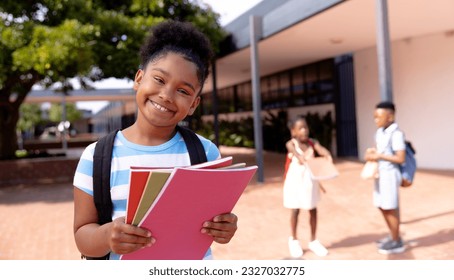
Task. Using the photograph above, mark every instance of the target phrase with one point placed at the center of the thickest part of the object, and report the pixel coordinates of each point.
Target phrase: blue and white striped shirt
(125, 154)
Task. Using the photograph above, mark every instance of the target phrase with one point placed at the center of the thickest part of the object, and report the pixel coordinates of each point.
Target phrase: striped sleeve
(83, 177)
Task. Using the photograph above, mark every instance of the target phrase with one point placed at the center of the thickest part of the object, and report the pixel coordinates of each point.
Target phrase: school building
(326, 57)
(321, 56)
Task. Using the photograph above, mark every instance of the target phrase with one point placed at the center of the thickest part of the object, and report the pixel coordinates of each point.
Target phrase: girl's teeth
(163, 109)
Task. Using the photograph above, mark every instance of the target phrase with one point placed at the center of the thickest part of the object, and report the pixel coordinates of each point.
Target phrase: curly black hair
(182, 38)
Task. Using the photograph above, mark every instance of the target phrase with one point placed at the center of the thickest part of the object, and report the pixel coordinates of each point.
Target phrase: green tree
(72, 113)
(30, 116)
(51, 41)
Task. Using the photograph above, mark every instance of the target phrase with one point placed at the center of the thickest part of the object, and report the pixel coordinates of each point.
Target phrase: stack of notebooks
(174, 203)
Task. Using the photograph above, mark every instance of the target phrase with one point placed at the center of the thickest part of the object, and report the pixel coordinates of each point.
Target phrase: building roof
(298, 32)
(40, 96)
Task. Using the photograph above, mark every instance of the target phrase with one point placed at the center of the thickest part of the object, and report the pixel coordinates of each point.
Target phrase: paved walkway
(37, 220)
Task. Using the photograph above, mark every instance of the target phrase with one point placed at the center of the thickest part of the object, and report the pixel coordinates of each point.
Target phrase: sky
(228, 11)
(231, 9)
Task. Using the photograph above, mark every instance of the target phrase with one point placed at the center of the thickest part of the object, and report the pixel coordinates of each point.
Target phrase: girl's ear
(138, 79)
(194, 105)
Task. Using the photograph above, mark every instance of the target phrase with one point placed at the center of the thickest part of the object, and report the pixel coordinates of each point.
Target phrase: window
(305, 85)
(226, 100)
(298, 86)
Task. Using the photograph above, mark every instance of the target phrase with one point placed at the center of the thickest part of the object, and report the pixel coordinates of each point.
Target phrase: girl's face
(301, 130)
(167, 90)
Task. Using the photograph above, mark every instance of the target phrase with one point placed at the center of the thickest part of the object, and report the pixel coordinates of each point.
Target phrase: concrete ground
(37, 220)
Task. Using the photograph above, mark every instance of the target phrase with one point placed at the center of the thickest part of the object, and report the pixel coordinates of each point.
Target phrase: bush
(275, 131)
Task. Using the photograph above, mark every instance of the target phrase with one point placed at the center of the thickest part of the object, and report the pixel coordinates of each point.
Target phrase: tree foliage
(72, 113)
(30, 116)
(51, 41)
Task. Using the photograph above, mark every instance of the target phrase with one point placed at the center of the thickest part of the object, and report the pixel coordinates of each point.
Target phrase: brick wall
(37, 171)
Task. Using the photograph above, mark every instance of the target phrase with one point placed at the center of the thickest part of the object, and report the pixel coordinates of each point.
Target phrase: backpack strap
(193, 144)
(312, 144)
(101, 177)
(102, 159)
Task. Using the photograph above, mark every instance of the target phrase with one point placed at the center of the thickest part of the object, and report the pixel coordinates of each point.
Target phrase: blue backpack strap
(194, 145)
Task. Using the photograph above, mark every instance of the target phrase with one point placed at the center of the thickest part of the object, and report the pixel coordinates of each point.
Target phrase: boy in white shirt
(389, 152)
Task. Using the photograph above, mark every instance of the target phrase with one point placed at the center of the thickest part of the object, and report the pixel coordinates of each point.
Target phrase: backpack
(408, 168)
(102, 159)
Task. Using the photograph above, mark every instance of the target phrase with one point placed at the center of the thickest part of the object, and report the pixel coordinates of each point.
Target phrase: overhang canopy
(323, 29)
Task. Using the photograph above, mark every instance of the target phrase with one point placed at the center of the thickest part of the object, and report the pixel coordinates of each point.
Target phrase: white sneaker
(318, 249)
(294, 247)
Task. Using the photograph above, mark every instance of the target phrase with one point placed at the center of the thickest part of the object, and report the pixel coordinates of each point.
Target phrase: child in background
(300, 190)
(389, 152)
(175, 65)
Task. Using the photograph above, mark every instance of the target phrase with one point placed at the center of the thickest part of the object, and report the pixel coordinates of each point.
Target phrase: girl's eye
(159, 80)
(183, 91)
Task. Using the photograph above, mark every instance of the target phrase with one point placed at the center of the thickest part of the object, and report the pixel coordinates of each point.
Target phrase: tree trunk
(9, 116)
(12, 95)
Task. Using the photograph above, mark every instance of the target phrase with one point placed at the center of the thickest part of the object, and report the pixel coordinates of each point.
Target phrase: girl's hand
(124, 238)
(222, 228)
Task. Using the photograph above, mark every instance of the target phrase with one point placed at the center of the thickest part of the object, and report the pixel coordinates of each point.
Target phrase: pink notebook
(189, 198)
(139, 176)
